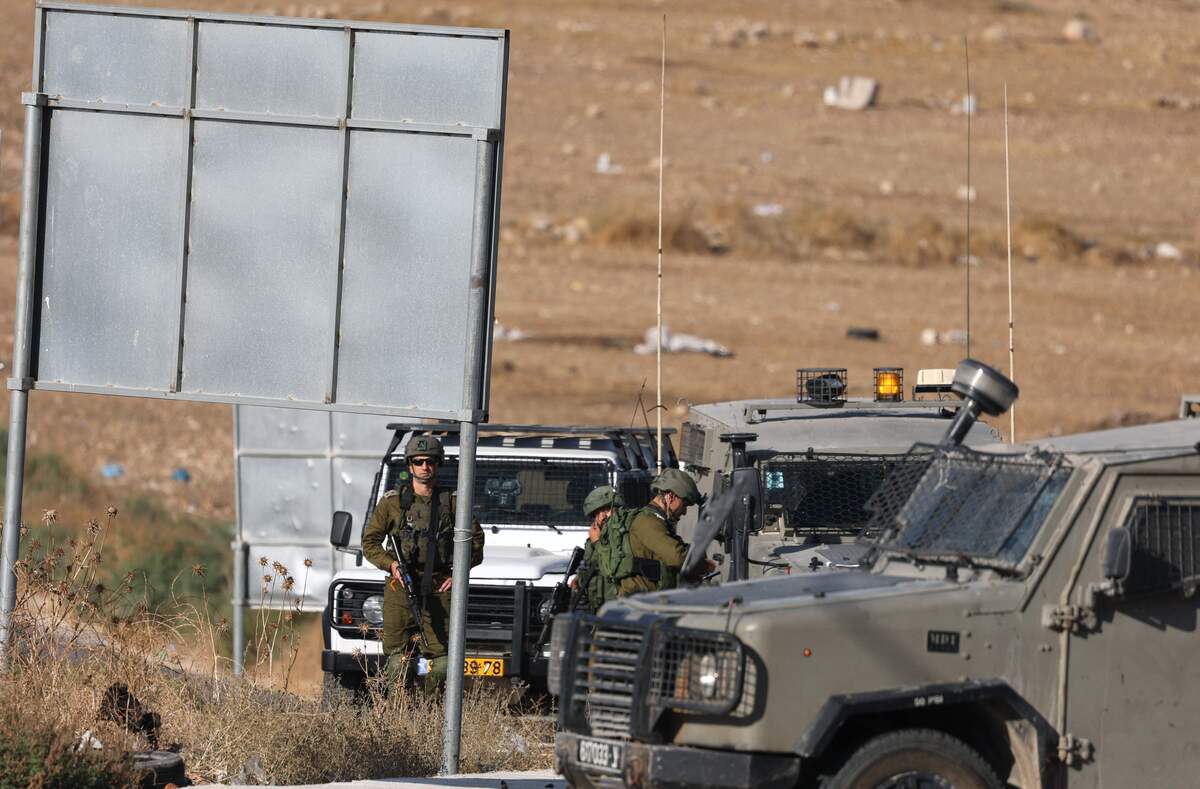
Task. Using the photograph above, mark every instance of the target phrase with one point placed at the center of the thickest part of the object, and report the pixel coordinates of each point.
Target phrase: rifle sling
(430, 547)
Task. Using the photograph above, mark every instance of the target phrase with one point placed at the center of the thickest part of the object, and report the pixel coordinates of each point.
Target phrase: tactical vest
(615, 559)
(411, 538)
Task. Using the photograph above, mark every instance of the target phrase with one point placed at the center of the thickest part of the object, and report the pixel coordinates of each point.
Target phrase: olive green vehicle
(1025, 619)
(819, 456)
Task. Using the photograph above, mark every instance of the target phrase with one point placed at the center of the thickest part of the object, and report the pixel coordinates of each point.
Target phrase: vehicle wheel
(156, 769)
(916, 759)
(340, 689)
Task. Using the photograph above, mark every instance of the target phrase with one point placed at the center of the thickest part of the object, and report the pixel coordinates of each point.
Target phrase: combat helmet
(424, 446)
(601, 497)
(678, 482)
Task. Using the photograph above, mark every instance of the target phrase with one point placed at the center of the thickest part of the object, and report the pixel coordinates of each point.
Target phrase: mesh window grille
(825, 492)
(958, 502)
(1166, 545)
(525, 491)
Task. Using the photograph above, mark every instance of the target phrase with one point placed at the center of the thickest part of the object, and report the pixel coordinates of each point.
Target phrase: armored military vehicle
(1024, 619)
(819, 456)
(530, 482)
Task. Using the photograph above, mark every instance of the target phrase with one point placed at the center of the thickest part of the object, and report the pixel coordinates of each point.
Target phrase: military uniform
(406, 516)
(652, 538)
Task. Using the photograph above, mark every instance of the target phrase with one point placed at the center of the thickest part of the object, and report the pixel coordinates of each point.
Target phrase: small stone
(995, 34)
(1079, 29)
(594, 111)
(966, 194)
(887, 188)
(1168, 251)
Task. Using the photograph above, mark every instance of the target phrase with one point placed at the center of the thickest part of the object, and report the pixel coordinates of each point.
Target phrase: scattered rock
(1167, 251)
(570, 26)
(767, 209)
(1177, 102)
(965, 193)
(930, 337)
(862, 333)
(1079, 29)
(806, 38)
(852, 93)
(504, 334)
(605, 166)
(887, 188)
(995, 34)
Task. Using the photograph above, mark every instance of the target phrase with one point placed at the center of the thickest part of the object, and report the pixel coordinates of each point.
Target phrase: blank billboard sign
(295, 469)
(268, 211)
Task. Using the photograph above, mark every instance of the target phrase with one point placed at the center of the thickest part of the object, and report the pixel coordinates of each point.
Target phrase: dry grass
(76, 638)
(795, 234)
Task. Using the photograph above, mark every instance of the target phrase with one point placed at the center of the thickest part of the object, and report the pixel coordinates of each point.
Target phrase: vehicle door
(1133, 680)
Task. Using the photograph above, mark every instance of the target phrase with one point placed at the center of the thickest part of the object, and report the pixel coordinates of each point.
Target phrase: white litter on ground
(680, 343)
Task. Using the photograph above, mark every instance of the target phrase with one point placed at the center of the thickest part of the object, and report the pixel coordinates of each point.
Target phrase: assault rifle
(414, 596)
(563, 598)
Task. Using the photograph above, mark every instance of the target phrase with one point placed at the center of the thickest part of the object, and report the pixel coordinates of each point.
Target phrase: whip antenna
(662, 113)
(1012, 372)
(968, 106)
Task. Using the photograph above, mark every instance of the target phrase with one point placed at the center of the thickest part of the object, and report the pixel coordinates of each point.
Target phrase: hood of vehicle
(784, 591)
(513, 563)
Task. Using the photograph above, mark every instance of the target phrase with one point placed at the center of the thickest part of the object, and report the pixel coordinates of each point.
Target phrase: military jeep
(530, 482)
(819, 456)
(1025, 619)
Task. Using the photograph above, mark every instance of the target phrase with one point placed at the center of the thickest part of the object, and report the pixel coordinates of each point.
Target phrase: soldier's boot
(436, 678)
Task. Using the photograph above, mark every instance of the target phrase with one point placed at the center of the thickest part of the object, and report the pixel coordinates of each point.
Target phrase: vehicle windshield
(826, 492)
(965, 505)
(530, 491)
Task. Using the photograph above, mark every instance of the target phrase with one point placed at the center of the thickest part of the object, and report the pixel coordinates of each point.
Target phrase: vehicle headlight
(546, 610)
(708, 676)
(698, 671)
(372, 610)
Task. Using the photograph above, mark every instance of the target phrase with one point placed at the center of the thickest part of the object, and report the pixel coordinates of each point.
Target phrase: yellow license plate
(483, 667)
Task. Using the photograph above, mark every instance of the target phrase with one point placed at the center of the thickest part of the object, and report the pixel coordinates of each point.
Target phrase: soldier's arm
(664, 546)
(376, 530)
(476, 543)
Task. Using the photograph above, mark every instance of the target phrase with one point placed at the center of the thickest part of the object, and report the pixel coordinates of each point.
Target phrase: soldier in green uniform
(657, 549)
(419, 518)
(594, 588)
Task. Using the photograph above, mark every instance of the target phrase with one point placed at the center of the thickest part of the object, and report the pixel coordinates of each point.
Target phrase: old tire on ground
(340, 689)
(916, 759)
(156, 769)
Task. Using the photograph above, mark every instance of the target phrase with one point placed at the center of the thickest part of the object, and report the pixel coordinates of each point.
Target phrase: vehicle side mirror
(1118, 551)
(343, 525)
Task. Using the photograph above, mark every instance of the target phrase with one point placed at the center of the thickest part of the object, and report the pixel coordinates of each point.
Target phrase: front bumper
(676, 767)
(335, 662)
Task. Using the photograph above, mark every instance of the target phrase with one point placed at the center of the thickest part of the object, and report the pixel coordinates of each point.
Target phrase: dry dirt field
(1105, 148)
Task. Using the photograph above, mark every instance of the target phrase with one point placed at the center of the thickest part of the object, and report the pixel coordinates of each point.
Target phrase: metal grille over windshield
(826, 492)
(531, 491)
(961, 503)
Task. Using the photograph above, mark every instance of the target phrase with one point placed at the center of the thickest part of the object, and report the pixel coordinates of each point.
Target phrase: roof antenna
(968, 107)
(662, 112)
(1012, 369)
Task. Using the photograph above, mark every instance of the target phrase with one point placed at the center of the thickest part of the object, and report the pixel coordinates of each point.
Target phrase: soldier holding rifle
(411, 537)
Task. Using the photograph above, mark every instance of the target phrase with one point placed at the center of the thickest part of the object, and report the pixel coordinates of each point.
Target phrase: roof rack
(570, 430)
(756, 412)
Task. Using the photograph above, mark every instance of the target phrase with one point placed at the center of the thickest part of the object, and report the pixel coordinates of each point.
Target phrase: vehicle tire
(156, 769)
(915, 759)
(340, 689)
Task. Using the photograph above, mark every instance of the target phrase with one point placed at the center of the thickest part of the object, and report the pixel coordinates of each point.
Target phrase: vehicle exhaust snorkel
(985, 390)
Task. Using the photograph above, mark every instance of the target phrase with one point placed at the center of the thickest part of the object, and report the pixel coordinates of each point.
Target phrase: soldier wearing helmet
(419, 517)
(657, 549)
(594, 588)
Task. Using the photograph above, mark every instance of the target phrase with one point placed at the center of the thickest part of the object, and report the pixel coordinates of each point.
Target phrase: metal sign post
(19, 383)
(263, 211)
(482, 251)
